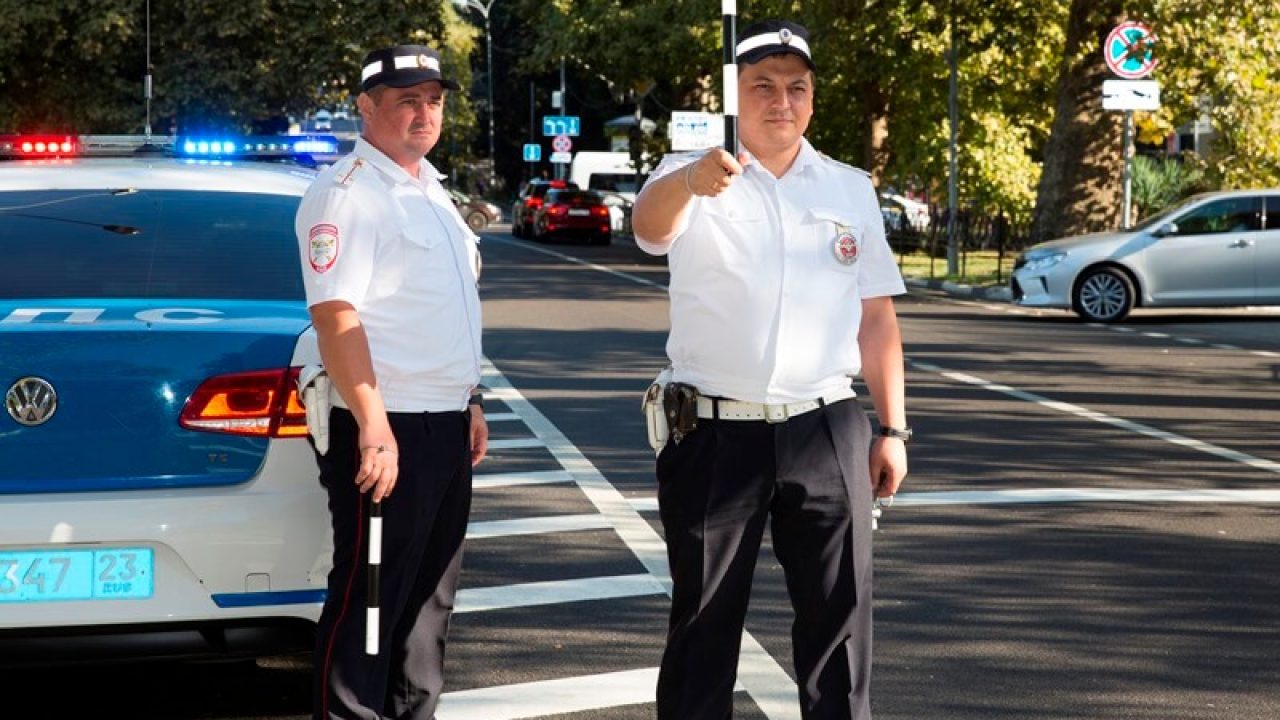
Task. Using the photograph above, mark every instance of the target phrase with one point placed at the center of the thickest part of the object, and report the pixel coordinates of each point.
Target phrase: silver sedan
(1216, 249)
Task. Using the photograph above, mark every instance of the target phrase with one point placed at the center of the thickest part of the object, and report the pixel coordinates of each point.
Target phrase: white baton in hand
(374, 570)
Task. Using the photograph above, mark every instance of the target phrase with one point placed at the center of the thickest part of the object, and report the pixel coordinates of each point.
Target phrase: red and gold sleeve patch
(323, 247)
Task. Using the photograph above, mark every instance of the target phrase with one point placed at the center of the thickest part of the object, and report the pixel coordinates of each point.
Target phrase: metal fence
(976, 232)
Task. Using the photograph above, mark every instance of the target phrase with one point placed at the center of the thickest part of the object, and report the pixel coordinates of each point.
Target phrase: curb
(1000, 293)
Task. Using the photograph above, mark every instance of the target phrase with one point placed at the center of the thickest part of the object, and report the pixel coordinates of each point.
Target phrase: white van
(607, 172)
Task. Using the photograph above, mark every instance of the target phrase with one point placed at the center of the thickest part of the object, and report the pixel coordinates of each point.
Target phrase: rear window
(149, 243)
(617, 182)
(574, 197)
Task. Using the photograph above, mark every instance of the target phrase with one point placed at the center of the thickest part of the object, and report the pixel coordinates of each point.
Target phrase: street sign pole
(1128, 168)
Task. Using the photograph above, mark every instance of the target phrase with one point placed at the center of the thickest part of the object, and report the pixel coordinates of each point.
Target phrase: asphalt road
(1089, 529)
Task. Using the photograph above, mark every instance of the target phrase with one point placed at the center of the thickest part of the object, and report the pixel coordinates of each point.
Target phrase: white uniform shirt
(395, 248)
(762, 307)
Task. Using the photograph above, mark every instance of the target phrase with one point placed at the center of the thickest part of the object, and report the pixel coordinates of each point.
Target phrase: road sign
(1128, 50)
(696, 130)
(1130, 95)
(553, 125)
(532, 152)
(562, 158)
(562, 144)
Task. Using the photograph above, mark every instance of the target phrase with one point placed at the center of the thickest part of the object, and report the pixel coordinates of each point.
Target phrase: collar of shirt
(390, 169)
(805, 159)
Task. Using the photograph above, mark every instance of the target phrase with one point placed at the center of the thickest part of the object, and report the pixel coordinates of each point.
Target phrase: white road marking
(773, 691)
(550, 697)
(542, 477)
(514, 443)
(500, 417)
(536, 525)
(1172, 438)
(553, 592)
(1057, 495)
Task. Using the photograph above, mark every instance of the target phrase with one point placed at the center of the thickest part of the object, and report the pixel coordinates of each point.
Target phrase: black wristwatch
(476, 399)
(903, 434)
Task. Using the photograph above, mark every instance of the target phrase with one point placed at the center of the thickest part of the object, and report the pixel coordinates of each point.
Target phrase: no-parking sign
(1128, 50)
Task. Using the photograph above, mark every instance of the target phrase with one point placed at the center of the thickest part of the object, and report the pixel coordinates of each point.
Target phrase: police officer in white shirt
(390, 271)
(781, 285)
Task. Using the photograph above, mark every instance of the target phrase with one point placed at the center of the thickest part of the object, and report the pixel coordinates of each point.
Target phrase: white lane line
(1190, 340)
(500, 417)
(584, 263)
(1155, 334)
(513, 443)
(1173, 438)
(773, 691)
(554, 592)
(550, 697)
(1057, 495)
(1224, 346)
(541, 477)
(1266, 353)
(536, 525)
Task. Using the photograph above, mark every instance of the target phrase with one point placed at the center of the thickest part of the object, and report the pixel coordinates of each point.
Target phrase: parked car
(530, 200)
(158, 496)
(903, 213)
(619, 211)
(478, 213)
(1213, 250)
(572, 213)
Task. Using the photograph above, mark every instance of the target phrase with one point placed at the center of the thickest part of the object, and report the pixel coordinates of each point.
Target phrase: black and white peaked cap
(403, 66)
(773, 37)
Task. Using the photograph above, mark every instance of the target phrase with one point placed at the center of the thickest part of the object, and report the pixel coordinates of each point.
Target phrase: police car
(158, 496)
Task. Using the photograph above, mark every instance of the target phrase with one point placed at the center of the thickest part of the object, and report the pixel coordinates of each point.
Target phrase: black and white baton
(373, 572)
(729, 25)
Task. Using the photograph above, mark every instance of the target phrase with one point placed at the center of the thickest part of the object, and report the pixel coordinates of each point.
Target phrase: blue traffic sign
(1128, 50)
(532, 152)
(553, 125)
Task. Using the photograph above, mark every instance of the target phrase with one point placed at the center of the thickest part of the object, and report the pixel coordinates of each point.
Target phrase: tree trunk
(1080, 189)
(877, 151)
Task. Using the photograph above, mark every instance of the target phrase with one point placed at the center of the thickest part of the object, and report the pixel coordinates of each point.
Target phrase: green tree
(78, 65)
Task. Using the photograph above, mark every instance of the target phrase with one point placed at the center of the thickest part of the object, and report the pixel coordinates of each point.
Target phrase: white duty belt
(726, 409)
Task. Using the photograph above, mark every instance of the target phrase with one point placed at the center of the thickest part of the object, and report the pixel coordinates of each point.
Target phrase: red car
(530, 200)
(572, 213)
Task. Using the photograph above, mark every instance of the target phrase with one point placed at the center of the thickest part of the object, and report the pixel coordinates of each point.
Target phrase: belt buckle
(774, 414)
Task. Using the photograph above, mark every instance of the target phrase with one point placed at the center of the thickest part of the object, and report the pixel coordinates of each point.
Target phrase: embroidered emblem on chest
(845, 246)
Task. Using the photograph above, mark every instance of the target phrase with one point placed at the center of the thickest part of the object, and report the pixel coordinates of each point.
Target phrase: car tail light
(533, 202)
(38, 146)
(600, 210)
(262, 403)
(557, 210)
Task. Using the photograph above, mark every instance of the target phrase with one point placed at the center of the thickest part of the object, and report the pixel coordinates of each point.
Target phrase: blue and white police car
(158, 496)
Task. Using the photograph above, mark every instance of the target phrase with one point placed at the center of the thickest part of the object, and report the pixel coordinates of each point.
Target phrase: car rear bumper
(232, 566)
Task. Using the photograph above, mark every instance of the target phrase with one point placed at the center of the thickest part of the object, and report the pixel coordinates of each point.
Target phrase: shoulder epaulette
(347, 170)
(846, 166)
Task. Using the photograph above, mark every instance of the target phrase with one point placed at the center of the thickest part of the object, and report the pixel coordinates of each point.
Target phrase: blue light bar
(258, 146)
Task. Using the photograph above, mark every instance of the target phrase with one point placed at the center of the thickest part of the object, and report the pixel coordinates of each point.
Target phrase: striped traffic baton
(729, 25)
(373, 572)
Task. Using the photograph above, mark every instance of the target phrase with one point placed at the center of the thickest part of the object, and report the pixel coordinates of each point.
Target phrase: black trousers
(716, 488)
(424, 522)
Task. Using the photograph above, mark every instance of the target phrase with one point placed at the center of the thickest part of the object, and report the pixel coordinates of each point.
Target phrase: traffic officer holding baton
(390, 270)
(781, 291)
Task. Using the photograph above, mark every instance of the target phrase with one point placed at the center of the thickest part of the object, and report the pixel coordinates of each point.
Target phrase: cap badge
(845, 246)
(323, 246)
(424, 61)
(784, 36)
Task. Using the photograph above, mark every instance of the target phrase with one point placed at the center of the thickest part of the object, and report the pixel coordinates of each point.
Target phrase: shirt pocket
(836, 239)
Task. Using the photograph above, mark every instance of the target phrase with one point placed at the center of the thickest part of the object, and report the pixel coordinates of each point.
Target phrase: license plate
(102, 574)
(579, 212)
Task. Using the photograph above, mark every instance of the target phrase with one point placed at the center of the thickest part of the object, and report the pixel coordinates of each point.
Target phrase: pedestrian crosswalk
(524, 576)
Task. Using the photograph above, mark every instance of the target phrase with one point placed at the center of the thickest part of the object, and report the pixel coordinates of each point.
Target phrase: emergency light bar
(38, 146)
(252, 147)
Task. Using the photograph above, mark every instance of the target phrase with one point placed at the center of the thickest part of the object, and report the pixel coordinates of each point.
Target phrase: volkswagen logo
(31, 401)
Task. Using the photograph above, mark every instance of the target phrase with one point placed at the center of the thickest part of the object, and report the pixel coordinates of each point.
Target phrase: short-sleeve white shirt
(767, 280)
(395, 248)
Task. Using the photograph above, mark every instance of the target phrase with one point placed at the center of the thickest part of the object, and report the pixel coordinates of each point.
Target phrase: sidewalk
(999, 293)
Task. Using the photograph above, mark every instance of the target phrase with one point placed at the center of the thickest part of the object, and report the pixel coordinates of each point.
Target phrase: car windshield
(149, 243)
(1163, 217)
